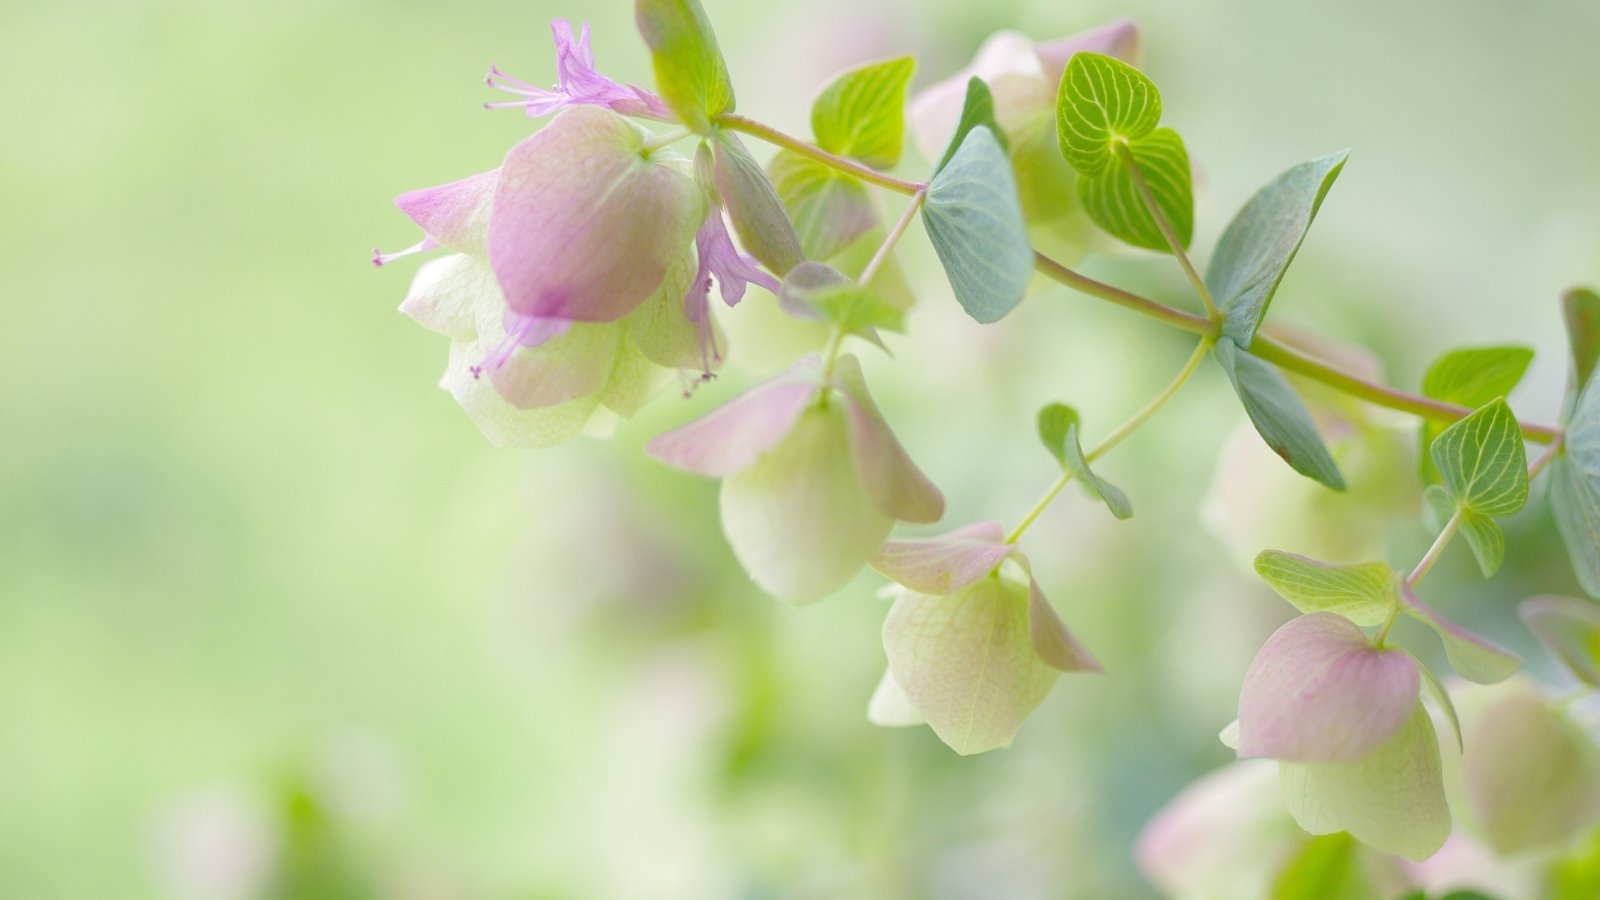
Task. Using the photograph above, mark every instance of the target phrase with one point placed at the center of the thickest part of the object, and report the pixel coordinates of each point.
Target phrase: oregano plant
(575, 283)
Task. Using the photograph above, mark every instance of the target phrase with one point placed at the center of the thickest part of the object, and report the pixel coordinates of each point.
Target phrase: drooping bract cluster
(576, 283)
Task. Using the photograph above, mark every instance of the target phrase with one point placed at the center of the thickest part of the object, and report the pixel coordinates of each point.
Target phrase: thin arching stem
(1262, 346)
(1116, 437)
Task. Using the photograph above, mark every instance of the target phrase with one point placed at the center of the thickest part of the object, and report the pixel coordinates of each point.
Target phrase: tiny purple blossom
(578, 84)
(733, 272)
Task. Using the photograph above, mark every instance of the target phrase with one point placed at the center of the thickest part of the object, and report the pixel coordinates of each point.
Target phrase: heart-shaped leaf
(975, 222)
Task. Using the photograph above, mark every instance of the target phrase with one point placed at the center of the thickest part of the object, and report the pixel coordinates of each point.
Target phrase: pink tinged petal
(946, 564)
(1319, 693)
(967, 663)
(890, 707)
(799, 520)
(1119, 39)
(503, 424)
(576, 364)
(1473, 658)
(583, 226)
(933, 112)
(1226, 835)
(1570, 628)
(447, 292)
(1051, 640)
(895, 483)
(1392, 798)
(454, 215)
(730, 439)
(1533, 776)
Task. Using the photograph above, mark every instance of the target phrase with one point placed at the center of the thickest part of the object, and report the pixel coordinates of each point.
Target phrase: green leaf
(1473, 658)
(976, 109)
(1102, 101)
(1433, 689)
(1261, 241)
(1278, 414)
(1114, 203)
(856, 310)
(1364, 593)
(830, 210)
(1580, 309)
(1487, 541)
(975, 222)
(1483, 463)
(1470, 378)
(1482, 533)
(753, 205)
(1103, 106)
(861, 113)
(1570, 630)
(1059, 428)
(690, 72)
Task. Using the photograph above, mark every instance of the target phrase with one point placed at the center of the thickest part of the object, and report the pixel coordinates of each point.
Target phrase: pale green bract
(1434, 690)
(1106, 108)
(1483, 463)
(977, 108)
(975, 222)
(1059, 428)
(830, 210)
(1392, 799)
(861, 113)
(1278, 414)
(754, 207)
(690, 72)
(1259, 244)
(1364, 593)
(1469, 377)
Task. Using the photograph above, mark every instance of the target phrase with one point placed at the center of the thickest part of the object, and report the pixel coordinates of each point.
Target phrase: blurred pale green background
(268, 603)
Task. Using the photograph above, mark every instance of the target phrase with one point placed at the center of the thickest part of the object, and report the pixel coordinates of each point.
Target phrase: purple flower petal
(946, 564)
(730, 439)
(895, 483)
(582, 225)
(454, 215)
(1318, 692)
(578, 84)
(1119, 39)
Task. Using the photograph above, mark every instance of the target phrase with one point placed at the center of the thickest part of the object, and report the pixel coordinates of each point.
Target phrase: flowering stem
(1262, 346)
(664, 140)
(1125, 153)
(1118, 436)
(774, 136)
(1545, 459)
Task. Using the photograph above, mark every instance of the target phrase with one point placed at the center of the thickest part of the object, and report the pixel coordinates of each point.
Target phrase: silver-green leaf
(1259, 244)
(1278, 414)
(975, 222)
